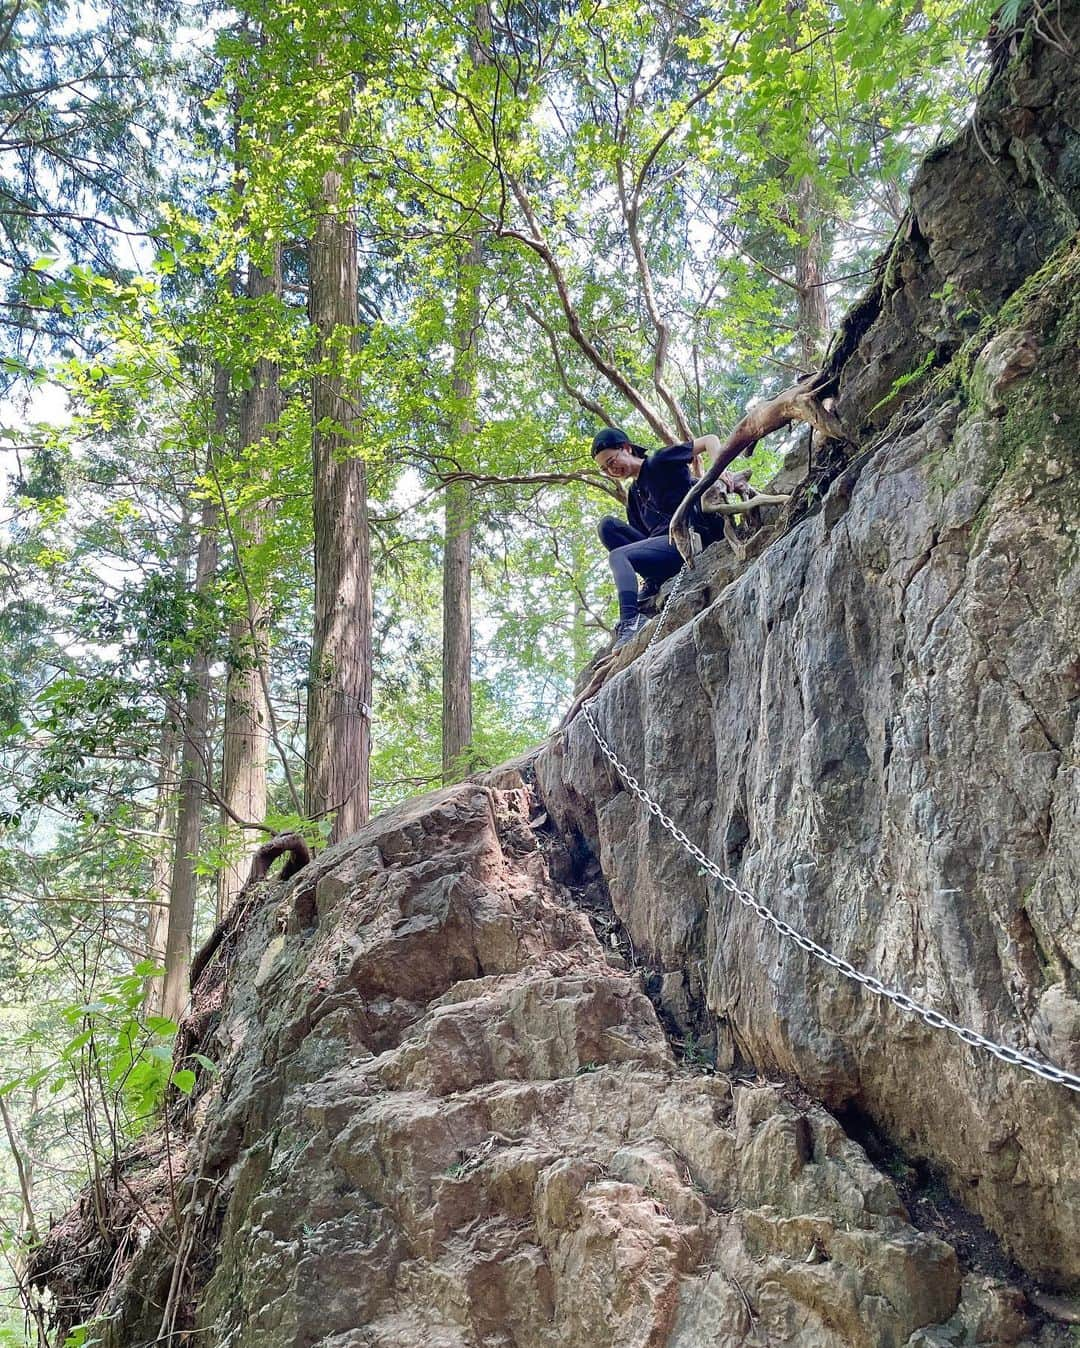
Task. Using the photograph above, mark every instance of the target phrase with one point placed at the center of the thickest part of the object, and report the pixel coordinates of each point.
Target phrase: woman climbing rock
(639, 547)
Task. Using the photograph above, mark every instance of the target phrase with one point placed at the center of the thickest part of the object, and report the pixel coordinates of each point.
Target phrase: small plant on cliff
(696, 1054)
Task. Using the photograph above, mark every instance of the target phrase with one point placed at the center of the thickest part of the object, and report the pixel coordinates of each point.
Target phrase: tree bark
(246, 739)
(339, 688)
(813, 308)
(457, 631)
(195, 756)
(457, 728)
(164, 822)
(24, 1169)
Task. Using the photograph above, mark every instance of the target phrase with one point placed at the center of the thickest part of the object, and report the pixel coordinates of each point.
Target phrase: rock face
(447, 1115)
(447, 1112)
(873, 726)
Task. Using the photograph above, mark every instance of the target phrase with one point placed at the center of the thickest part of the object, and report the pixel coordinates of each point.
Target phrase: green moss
(1053, 284)
(942, 471)
(1031, 424)
(1045, 303)
(903, 381)
(1041, 416)
(890, 279)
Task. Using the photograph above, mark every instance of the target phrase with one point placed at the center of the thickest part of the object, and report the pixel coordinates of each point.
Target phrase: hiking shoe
(628, 628)
(647, 595)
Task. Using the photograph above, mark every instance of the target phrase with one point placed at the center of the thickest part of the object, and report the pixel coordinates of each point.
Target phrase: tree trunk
(579, 628)
(812, 309)
(339, 688)
(457, 632)
(164, 822)
(813, 306)
(457, 550)
(245, 751)
(195, 757)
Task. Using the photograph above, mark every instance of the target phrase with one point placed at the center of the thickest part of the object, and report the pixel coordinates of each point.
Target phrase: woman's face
(619, 462)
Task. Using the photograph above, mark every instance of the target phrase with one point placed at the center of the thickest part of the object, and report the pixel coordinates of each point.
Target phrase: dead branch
(748, 506)
(802, 402)
(753, 502)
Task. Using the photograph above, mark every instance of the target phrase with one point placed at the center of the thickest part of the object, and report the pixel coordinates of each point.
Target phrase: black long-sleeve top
(657, 490)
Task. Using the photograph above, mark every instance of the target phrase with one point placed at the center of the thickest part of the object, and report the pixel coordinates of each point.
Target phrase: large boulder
(446, 1114)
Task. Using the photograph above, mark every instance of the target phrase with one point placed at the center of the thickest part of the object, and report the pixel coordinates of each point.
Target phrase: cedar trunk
(195, 756)
(245, 752)
(813, 307)
(164, 817)
(457, 726)
(457, 632)
(339, 689)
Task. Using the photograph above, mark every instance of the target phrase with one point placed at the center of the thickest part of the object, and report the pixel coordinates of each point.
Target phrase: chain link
(1047, 1071)
(681, 575)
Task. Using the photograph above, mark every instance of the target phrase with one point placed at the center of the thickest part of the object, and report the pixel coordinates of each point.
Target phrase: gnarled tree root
(299, 854)
(802, 402)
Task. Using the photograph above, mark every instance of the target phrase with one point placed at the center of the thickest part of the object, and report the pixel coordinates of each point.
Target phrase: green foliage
(904, 380)
(108, 1050)
(85, 1335)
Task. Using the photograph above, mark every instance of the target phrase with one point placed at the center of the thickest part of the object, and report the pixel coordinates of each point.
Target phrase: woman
(657, 484)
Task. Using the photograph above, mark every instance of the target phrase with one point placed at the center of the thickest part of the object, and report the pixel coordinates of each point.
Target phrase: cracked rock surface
(873, 725)
(447, 1117)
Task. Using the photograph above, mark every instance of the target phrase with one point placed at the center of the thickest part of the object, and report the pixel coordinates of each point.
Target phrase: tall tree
(246, 735)
(457, 705)
(81, 108)
(163, 823)
(339, 689)
(195, 757)
(457, 712)
(811, 275)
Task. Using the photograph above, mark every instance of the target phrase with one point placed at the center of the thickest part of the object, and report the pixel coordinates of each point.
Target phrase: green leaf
(184, 1081)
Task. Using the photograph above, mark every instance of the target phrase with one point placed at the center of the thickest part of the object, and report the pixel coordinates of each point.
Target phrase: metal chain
(680, 576)
(933, 1018)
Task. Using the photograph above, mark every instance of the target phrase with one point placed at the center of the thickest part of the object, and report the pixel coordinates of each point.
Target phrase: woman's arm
(709, 444)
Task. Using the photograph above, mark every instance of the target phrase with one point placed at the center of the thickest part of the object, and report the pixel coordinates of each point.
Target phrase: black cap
(609, 438)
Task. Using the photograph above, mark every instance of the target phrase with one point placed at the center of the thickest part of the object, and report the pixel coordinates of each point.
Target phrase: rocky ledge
(447, 1115)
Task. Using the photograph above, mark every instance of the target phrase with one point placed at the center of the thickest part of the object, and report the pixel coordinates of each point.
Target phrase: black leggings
(632, 554)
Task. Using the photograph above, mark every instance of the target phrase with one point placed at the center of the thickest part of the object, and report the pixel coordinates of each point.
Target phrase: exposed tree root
(802, 402)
